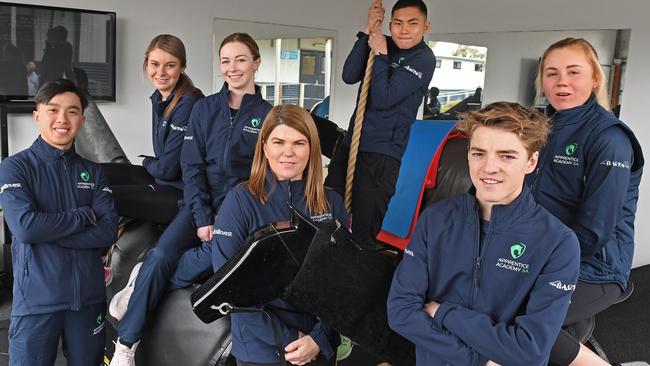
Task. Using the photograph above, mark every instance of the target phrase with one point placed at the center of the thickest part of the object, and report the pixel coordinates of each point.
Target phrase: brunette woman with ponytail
(151, 192)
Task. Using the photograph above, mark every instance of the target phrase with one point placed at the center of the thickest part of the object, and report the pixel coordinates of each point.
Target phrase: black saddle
(320, 270)
(259, 272)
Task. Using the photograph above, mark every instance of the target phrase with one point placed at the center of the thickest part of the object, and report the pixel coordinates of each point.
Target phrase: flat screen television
(41, 43)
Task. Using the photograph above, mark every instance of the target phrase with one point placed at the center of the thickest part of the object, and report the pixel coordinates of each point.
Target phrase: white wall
(510, 55)
(139, 21)
(266, 72)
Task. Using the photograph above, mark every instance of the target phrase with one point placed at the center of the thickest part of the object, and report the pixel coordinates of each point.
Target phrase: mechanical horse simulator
(186, 328)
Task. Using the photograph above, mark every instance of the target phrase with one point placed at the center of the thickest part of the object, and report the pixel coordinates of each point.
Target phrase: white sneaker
(120, 302)
(124, 356)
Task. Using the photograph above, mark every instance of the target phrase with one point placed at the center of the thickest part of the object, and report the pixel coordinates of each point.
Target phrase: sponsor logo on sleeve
(106, 189)
(413, 71)
(217, 231)
(409, 252)
(616, 164)
(9, 185)
(187, 138)
(562, 286)
(178, 128)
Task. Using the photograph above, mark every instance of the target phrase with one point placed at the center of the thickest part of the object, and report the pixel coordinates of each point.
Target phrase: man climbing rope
(392, 92)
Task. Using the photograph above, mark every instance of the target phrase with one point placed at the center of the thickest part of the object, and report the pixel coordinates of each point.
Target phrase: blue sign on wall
(289, 55)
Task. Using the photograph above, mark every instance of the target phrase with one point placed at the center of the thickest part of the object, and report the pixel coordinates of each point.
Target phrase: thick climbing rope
(356, 132)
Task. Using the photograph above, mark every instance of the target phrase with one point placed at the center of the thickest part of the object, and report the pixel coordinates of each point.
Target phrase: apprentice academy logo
(570, 149)
(397, 63)
(568, 158)
(255, 122)
(101, 323)
(516, 251)
(254, 127)
(85, 184)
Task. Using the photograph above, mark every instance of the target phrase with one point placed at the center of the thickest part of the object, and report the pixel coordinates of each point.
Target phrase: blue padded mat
(424, 140)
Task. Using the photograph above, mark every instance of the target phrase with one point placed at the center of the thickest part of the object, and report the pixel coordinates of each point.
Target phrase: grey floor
(5, 312)
(625, 338)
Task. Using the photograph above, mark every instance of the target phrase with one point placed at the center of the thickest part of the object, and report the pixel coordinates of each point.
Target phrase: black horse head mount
(262, 268)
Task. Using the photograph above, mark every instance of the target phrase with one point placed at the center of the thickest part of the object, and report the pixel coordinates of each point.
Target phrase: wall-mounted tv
(41, 43)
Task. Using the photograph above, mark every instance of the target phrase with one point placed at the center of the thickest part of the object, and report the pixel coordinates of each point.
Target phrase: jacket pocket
(27, 254)
(46, 276)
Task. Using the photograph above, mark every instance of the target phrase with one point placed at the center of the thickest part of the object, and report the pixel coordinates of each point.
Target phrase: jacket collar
(393, 47)
(158, 103)
(248, 98)
(49, 153)
(572, 115)
(292, 191)
(503, 215)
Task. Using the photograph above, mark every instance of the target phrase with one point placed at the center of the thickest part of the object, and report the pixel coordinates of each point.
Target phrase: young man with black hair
(402, 70)
(60, 211)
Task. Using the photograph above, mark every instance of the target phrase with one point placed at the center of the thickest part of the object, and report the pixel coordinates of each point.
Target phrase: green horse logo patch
(400, 60)
(85, 176)
(517, 250)
(570, 149)
(255, 122)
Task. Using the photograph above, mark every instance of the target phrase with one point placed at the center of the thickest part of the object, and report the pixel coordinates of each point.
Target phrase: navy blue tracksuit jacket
(167, 137)
(218, 152)
(588, 176)
(252, 333)
(48, 197)
(502, 300)
(240, 215)
(400, 81)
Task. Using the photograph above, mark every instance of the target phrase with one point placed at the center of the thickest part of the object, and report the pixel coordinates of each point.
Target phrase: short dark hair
(400, 4)
(55, 87)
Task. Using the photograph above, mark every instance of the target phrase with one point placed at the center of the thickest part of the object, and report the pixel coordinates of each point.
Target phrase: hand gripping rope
(356, 132)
